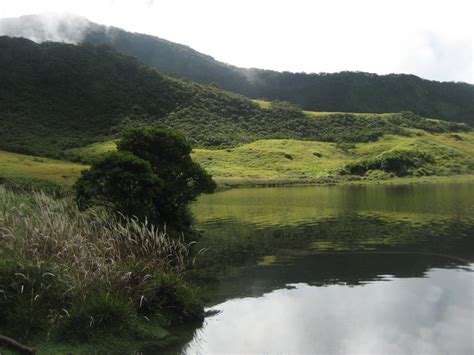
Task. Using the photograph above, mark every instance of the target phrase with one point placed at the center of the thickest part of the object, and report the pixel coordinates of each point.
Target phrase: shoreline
(224, 184)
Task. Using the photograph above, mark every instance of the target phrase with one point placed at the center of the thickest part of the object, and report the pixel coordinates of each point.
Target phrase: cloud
(54, 27)
(429, 38)
(432, 54)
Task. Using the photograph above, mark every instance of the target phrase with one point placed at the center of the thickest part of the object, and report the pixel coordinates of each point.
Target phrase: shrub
(397, 162)
(120, 181)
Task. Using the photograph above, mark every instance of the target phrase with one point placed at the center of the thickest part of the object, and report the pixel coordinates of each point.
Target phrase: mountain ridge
(343, 91)
(56, 96)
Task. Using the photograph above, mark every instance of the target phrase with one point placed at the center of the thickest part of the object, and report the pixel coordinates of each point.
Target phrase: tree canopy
(151, 176)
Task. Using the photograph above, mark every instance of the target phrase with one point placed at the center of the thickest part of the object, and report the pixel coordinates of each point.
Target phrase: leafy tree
(151, 176)
(169, 155)
(119, 181)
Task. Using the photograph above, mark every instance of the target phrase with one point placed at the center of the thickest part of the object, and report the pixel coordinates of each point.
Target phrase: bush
(120, 181)
(397, 162)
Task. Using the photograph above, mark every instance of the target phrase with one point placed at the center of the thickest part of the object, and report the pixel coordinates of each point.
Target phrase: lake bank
(229, 183)
(417, 157)
(265, 246)
(78, 279)
(23, 167)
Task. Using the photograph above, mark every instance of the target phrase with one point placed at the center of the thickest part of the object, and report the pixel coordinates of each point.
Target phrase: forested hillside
(57, 96)
(345, 91)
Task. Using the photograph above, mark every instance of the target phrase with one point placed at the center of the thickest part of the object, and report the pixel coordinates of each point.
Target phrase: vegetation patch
(67, 274)
(397, 162)
(263, 162)
(14, 165)
(151, 176)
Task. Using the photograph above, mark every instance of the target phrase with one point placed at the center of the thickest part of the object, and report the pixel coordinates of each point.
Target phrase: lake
(337, 269)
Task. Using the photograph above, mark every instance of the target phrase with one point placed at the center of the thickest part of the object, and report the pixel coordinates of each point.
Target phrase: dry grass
(72, 276)
(88, 247)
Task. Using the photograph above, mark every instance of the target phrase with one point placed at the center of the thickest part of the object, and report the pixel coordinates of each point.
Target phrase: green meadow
(299, 162)
(288, 161)
(279, 161)
(283, 161)
(62, 172)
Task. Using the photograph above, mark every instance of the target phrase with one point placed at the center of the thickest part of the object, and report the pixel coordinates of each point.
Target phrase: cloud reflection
(432, 315)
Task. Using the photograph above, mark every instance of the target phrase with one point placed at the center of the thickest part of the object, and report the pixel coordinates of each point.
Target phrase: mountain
(345, 91)
(56, 96)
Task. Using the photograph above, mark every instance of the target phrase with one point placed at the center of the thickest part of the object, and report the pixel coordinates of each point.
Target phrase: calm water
(338, 270)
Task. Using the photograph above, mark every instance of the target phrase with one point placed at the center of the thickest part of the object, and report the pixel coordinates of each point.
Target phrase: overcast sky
(430, 38)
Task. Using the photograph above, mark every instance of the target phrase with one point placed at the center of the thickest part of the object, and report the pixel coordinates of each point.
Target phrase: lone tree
(151, 176)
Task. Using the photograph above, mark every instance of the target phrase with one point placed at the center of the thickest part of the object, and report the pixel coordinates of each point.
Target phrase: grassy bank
(71, 278)
(292, 162)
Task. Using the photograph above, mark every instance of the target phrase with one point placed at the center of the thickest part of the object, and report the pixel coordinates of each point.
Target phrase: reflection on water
(296, 205)
(339, 270)
(406, 316)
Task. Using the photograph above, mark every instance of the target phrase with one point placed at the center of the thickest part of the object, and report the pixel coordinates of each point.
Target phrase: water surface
(361, 269)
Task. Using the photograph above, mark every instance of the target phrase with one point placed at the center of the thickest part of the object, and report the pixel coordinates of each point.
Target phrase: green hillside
(287, 161)
(292, 161)
(344, 91)
(281, 161)
(59, 96)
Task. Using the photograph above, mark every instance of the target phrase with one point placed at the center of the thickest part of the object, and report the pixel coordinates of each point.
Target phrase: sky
(429, 38)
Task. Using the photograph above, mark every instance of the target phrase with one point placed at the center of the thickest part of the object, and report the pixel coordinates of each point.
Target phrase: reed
(87, 253)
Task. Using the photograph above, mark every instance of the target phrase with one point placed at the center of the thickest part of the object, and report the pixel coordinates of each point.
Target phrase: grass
(263, 104)
(90, 152)
(267, 104)
(20, 165)
(68, 275)
(281, 161)
(272, 160)
(293, 162)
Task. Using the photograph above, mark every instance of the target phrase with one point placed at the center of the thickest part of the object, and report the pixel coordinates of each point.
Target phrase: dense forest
(56, 96)
(345, 91)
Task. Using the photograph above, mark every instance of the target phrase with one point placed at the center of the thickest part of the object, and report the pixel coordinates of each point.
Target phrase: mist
(55, 27)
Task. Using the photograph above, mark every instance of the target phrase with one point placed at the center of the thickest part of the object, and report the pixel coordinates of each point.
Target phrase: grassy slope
(58, 171)
(286, 161)
(274, 161)
(292, 161)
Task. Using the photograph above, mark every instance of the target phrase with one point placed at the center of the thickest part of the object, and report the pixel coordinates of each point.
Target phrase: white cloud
(430, 38)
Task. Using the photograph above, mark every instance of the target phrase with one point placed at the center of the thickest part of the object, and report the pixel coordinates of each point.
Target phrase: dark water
(330, 270)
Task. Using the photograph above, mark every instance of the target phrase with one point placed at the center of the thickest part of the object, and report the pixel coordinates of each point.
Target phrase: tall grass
(91, 255)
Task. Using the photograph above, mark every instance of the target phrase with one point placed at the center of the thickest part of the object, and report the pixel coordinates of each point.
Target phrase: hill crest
(343, 91)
